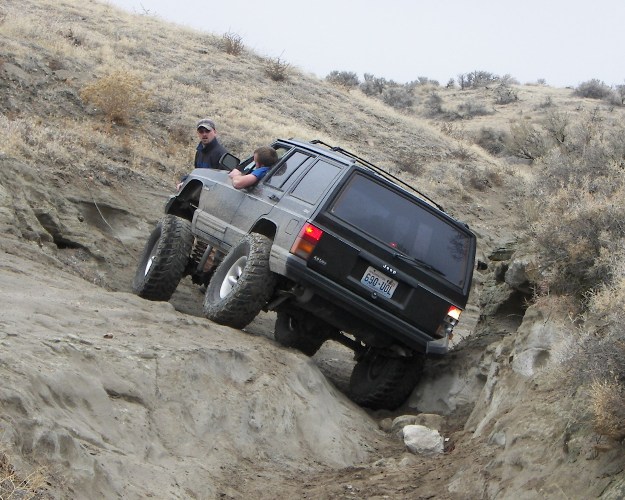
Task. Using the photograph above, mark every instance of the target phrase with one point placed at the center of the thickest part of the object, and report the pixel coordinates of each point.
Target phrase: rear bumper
(365, 310)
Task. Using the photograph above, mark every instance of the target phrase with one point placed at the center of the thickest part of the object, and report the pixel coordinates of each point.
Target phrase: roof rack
(377, 169)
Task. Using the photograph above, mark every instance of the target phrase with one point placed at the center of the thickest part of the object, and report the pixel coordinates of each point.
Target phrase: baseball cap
(207, 123)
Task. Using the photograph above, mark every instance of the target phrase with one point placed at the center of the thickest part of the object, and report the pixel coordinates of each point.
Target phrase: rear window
(404, 225)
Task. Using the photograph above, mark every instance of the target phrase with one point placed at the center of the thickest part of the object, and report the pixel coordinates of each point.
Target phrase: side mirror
(229, 161)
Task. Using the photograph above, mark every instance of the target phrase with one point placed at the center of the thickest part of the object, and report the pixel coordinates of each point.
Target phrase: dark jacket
(208, 156)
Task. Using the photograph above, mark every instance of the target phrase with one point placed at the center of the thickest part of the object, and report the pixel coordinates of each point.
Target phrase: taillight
(306, 241)
(451, 319)
(454, 312)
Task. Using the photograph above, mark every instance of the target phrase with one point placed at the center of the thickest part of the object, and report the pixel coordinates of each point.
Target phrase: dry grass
(119, 95)
(12, 486)
(608, 407)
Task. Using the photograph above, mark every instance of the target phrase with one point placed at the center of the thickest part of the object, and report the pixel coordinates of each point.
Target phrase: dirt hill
(107, 395)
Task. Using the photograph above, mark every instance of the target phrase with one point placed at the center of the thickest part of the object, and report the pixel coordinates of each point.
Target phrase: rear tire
(380, 381)
(242, 283)
(301, 333)
(164, 259)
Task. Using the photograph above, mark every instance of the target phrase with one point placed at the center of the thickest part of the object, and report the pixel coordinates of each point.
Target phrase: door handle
(273, 197)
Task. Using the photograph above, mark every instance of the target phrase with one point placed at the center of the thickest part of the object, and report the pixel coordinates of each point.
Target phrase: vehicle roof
(341, 155)
(318, 149)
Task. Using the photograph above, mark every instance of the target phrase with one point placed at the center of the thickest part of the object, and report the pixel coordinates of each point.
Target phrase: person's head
(265, 156)
(206, 130)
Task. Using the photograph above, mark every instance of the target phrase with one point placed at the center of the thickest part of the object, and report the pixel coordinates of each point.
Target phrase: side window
(278, 177)
(314, 183)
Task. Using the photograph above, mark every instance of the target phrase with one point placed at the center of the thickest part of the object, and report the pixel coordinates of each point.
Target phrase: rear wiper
(418, 262)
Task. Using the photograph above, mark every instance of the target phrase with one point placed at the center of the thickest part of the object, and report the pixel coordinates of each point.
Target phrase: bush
(608, 408)
(373, 86)
(232, 44)
(557, 126)
(347, 79)
(526, 141)
(276, 69)
(469, 109)
(620, 92)
(593, 89)
(118, 95)
(578, 195)
(434, 105)
(504, 94)
(491, 140)
(476, 79)
(398, 97)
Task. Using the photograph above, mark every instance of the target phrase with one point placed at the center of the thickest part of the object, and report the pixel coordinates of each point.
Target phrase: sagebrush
(119, 95)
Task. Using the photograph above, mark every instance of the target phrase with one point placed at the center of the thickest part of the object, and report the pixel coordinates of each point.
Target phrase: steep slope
(117, 396)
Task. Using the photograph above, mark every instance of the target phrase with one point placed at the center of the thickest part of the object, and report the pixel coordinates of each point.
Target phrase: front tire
(379, 381)
(242, 283)
(164, 259)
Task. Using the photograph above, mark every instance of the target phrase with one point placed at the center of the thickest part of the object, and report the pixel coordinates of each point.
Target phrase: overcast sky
(565, 42)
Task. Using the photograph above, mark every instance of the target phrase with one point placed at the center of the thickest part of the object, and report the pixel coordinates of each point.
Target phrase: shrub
(232, 44)
(557, 125)
(434, 105)
(593, 89)
(469, 109)
(608, 408)
(118, 95)
(398, 97)
(373, 86)
(578, 193)
(347, 79)
(504, 94)
(277, 69)
(476, 79)
(620, 92)
(492, 140)
(526, 141)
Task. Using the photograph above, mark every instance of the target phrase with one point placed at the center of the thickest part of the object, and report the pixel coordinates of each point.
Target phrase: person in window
(209, 150)
(264, 158)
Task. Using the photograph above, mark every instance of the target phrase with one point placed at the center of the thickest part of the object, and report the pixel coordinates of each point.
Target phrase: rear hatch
(395, 250)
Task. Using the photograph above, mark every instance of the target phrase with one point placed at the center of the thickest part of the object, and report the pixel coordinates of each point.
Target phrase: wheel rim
(232, 276)
(150, 261)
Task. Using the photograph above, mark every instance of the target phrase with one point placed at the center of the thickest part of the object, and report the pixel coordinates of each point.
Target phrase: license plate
(379, 282)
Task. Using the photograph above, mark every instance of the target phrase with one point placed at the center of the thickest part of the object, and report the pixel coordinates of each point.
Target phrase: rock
(503, 252)
(422, 440)
(430, 420)
(538, 340)
(516, 276)
(386, 424)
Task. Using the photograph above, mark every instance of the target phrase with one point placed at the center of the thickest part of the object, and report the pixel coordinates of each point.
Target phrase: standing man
(209, 150)
(264, 158)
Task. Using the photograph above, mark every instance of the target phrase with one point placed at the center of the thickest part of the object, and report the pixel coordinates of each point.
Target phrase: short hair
(267, 156)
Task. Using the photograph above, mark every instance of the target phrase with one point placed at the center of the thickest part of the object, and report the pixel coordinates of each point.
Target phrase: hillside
(107, 395)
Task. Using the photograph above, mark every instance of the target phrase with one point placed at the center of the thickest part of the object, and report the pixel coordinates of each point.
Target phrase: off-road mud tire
(164, 259)
(242, 283)
(301, 333)
(379, 381)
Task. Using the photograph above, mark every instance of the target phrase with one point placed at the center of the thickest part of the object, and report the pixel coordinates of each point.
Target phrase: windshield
(405, 226)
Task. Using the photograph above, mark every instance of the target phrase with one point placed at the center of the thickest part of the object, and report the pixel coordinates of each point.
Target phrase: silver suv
(337, 247)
